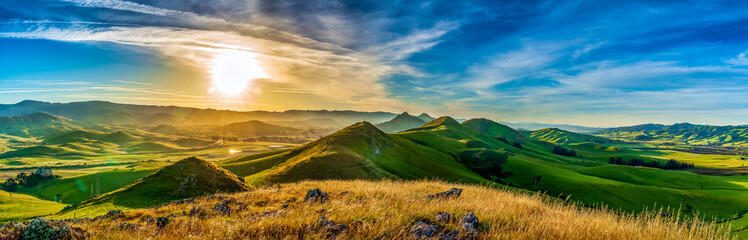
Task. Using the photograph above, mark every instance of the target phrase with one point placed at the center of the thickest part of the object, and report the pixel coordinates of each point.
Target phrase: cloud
(740, 60)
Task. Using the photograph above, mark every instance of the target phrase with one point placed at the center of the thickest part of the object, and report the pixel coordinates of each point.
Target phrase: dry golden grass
(376, 207)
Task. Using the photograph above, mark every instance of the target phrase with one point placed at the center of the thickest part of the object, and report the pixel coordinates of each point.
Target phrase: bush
(563, 151)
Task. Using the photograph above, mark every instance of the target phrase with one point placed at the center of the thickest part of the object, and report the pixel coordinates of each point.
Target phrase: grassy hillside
(187, 178)
(401, 122)
(730, 136)
(371, 209)
(36, 125)
(360, 151)
(255, 128)
(561, 137)
(16, 206)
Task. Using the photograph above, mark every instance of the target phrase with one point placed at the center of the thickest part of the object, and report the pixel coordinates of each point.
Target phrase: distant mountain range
(102, 112)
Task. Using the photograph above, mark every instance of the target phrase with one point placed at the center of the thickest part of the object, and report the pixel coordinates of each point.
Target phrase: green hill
(151, 147)
(119, 138)
(561, 137)
(360, 151)
(401, 122)
(16, 206)
(255, 128)
(36, 125)
(73, 136)
(43, 151)
(425, 117)
(187, 178)
(192, 142)
(495, 129)
(730, 136)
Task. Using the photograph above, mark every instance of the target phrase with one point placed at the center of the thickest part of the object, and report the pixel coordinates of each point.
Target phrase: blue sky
(595, 63)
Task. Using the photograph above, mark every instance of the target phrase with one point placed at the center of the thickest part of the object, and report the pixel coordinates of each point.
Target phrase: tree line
(25, 180)
(669, 165)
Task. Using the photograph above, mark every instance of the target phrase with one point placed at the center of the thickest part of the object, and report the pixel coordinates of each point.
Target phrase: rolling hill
(254, 128)
(36, 125)
(190, 177)
(730, 136)
(360, 151)
(561, 137)
(401, 122)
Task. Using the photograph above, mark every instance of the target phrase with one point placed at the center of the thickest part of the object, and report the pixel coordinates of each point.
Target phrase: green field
(16, 206)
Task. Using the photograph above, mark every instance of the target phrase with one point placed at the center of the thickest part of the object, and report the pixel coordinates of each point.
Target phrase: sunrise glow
(232, 72)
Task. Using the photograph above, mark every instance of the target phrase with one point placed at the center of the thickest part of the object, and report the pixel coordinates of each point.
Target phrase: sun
(232, 71)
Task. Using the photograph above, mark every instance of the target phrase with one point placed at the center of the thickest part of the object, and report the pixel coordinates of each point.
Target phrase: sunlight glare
(233, 70)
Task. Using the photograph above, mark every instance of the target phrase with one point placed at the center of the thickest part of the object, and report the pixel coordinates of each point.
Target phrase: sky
(593, 63)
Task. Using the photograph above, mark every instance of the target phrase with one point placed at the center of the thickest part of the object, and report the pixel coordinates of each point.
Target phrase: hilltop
(360, 151)
(425, 117)
(401, 122)
(388, 209)
(190, 177)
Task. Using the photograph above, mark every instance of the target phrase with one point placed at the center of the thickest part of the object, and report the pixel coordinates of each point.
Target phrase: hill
(16, 206)
(360, 151)
(255, 128)
(425, 117)
(390, 209)
(401, 122)
(730, 136)
(310, 123)
(36, 125)
(530, 126)
(190, 177)
(494, 129)
(561, 137)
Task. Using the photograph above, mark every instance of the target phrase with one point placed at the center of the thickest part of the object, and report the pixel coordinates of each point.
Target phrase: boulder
(422, 230)
(161, 222)
(452, 193)
(315, 195)
(444, 217)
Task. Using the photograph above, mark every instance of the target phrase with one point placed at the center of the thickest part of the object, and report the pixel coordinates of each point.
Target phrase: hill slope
(732, 136)
(255, 128)
(373, 209)
(36, 125)
(561, 137)
(187, 178)
(403, 121)
(360, 151)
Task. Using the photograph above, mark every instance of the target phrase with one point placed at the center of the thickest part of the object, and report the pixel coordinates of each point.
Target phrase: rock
(43, 229)
(44, 172)
(469, 224)
(315, 195)
(284, 206)
(452, 193)
(222, 208)
(114, 213)
(128, 226)
(161, 222)
(422, 230)
(444, 217)
(329, 227)
(323, 222)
